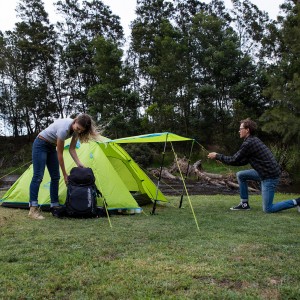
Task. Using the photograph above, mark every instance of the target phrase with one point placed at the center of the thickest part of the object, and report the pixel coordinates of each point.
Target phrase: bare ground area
(167, 186)
(176, 187)
(7, 181)
(173, 187)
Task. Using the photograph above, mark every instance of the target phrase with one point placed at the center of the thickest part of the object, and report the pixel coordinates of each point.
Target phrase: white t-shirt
(59, 129)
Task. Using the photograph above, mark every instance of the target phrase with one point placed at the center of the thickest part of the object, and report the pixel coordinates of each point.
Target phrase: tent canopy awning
(101, 140)
(152, 138)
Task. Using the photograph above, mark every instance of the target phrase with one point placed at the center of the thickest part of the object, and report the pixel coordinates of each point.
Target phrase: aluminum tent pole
(159, 178)
(186, 173)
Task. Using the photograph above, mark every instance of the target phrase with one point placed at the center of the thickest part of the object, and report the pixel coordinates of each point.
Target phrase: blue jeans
(268, 188)
(44, 154)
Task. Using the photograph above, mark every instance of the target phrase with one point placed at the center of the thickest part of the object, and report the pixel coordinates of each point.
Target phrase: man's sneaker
(241, 206)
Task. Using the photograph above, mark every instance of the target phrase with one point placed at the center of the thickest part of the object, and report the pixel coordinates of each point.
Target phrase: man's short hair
(249, 124)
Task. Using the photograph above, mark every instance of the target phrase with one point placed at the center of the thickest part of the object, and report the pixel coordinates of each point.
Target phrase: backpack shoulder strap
(99, 194)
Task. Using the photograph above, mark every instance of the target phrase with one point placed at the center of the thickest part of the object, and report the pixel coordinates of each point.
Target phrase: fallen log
(235, 185)
(218, 180)
(164, 174)
(215, 176)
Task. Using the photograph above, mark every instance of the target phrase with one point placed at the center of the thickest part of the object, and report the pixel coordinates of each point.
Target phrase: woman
(48, 151)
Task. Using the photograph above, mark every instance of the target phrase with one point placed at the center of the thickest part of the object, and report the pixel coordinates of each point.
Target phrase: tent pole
(186, 173)
(159, 178)
(107, 214)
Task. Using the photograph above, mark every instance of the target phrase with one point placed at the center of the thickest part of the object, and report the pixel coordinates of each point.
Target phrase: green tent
(123, 184)
(162, 137)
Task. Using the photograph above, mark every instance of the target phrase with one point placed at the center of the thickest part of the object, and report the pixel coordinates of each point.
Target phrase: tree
(283, 117)
(28, 65)
(111, 99)
(159, 58)
(251, 26)
(225, 76)
(82, 24)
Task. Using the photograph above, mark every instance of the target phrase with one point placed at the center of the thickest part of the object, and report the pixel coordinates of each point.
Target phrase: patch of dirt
(176, 187)
(7, 181)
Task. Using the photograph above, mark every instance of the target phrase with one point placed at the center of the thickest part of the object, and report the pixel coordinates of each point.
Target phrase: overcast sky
(123, 8)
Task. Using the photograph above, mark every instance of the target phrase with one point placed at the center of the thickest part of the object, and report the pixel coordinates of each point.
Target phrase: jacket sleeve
(238, 159)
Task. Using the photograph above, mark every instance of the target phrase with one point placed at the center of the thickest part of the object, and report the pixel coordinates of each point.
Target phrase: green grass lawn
(234, 255)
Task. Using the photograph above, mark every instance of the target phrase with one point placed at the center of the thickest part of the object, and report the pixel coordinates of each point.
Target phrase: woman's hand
(66, 179)
(80, 164)
(72, 150)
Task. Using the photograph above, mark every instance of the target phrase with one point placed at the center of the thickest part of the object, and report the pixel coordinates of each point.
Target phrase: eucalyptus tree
(226, 82)
(156, 47)
(112, 98)
(214, 50)
(10, 111)
(193, 73)
(251, 25)
(283, 75)
(29, 59)
(82, 22)
(182, 18)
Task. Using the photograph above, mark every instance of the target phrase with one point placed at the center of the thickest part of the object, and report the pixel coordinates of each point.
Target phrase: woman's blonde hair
(90, 132)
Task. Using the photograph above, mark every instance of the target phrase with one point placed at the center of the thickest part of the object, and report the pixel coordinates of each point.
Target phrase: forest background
(191, 68)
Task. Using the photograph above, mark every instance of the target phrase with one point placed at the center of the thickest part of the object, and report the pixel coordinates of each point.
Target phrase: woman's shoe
(34, 213)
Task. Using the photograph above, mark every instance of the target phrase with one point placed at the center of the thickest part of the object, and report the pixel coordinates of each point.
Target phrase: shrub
(287, 157)
(141, 153)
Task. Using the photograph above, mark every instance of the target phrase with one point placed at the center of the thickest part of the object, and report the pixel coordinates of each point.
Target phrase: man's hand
(212, 155)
